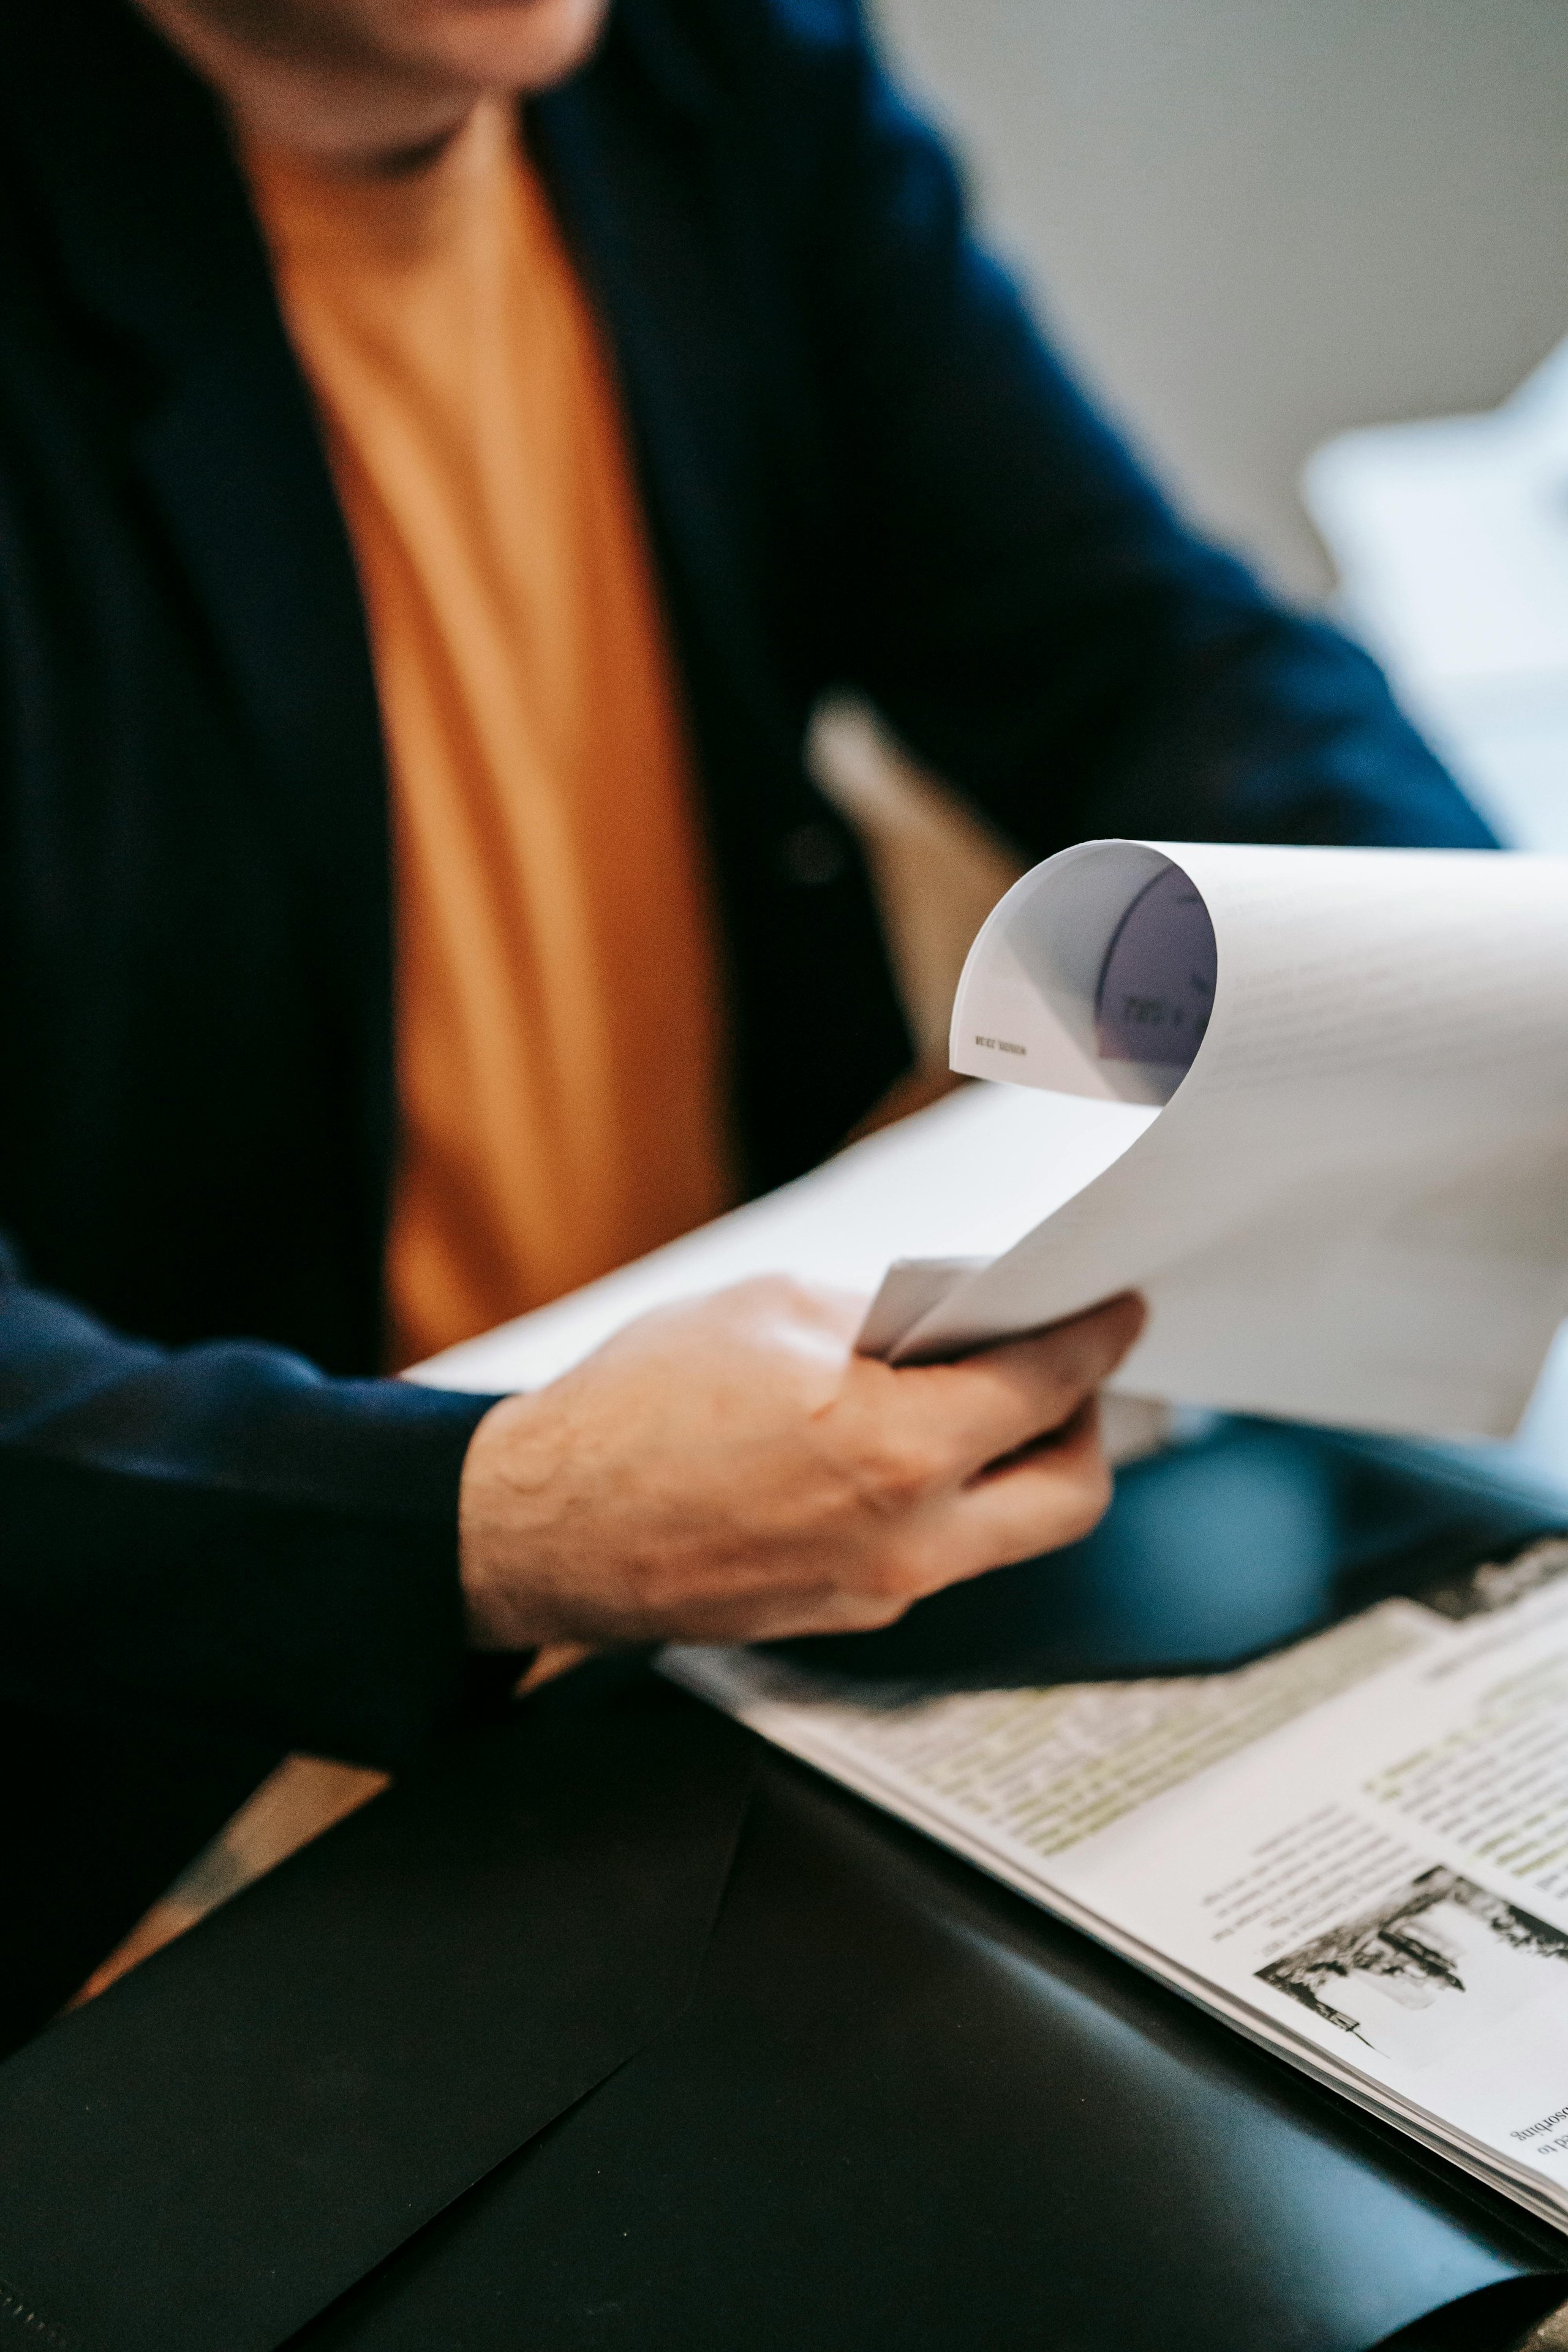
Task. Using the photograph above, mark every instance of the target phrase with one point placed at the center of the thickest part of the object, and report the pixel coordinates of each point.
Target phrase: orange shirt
(558, 1005)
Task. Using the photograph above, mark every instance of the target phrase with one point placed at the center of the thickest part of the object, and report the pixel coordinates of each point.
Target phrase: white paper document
(1355, 1851)
(1313, 1103)
(1343, 1074)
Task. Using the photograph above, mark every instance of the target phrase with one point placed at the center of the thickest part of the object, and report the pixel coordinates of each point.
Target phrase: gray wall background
(1253, 223)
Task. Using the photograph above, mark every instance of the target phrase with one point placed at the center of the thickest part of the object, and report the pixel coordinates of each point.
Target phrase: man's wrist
(506, 1463)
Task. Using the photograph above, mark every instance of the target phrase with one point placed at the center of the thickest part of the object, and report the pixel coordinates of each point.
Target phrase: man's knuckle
(772, 1296)
(878, 1610)
(892, 1576)
(896, 1471)
(1090, 1497)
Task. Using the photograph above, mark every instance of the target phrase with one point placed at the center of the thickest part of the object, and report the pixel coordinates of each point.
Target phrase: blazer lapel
(158, 247)
(632, 152)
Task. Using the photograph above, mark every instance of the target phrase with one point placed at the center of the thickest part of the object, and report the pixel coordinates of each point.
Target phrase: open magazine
(1355, 1850)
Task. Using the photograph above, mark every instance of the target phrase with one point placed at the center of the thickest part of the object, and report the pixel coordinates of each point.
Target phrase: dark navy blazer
(861, 468)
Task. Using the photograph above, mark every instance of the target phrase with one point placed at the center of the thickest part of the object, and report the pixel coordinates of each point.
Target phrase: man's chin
(518, 45)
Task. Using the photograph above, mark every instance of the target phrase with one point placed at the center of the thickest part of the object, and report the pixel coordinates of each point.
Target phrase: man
(427, 521)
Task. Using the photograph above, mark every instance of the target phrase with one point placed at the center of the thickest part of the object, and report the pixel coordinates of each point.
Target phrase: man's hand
(730, 1471)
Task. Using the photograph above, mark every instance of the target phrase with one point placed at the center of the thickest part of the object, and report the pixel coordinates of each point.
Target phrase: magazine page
(1350, 1204)
(1356, 1849)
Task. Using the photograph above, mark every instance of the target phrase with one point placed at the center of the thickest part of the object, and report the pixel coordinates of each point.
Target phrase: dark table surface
(611, 2029)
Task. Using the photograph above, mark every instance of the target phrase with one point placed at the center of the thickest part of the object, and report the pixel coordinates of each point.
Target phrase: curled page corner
(1094, 975)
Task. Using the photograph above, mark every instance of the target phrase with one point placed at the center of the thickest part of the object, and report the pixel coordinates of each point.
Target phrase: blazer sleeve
(1021, 600)
(222, 1535)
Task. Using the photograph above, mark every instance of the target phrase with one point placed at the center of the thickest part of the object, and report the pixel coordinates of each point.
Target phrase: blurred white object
(1451, 540)
(1541, 1442)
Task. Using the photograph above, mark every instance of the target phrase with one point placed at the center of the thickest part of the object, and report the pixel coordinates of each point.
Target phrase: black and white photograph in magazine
(1391, 1975)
